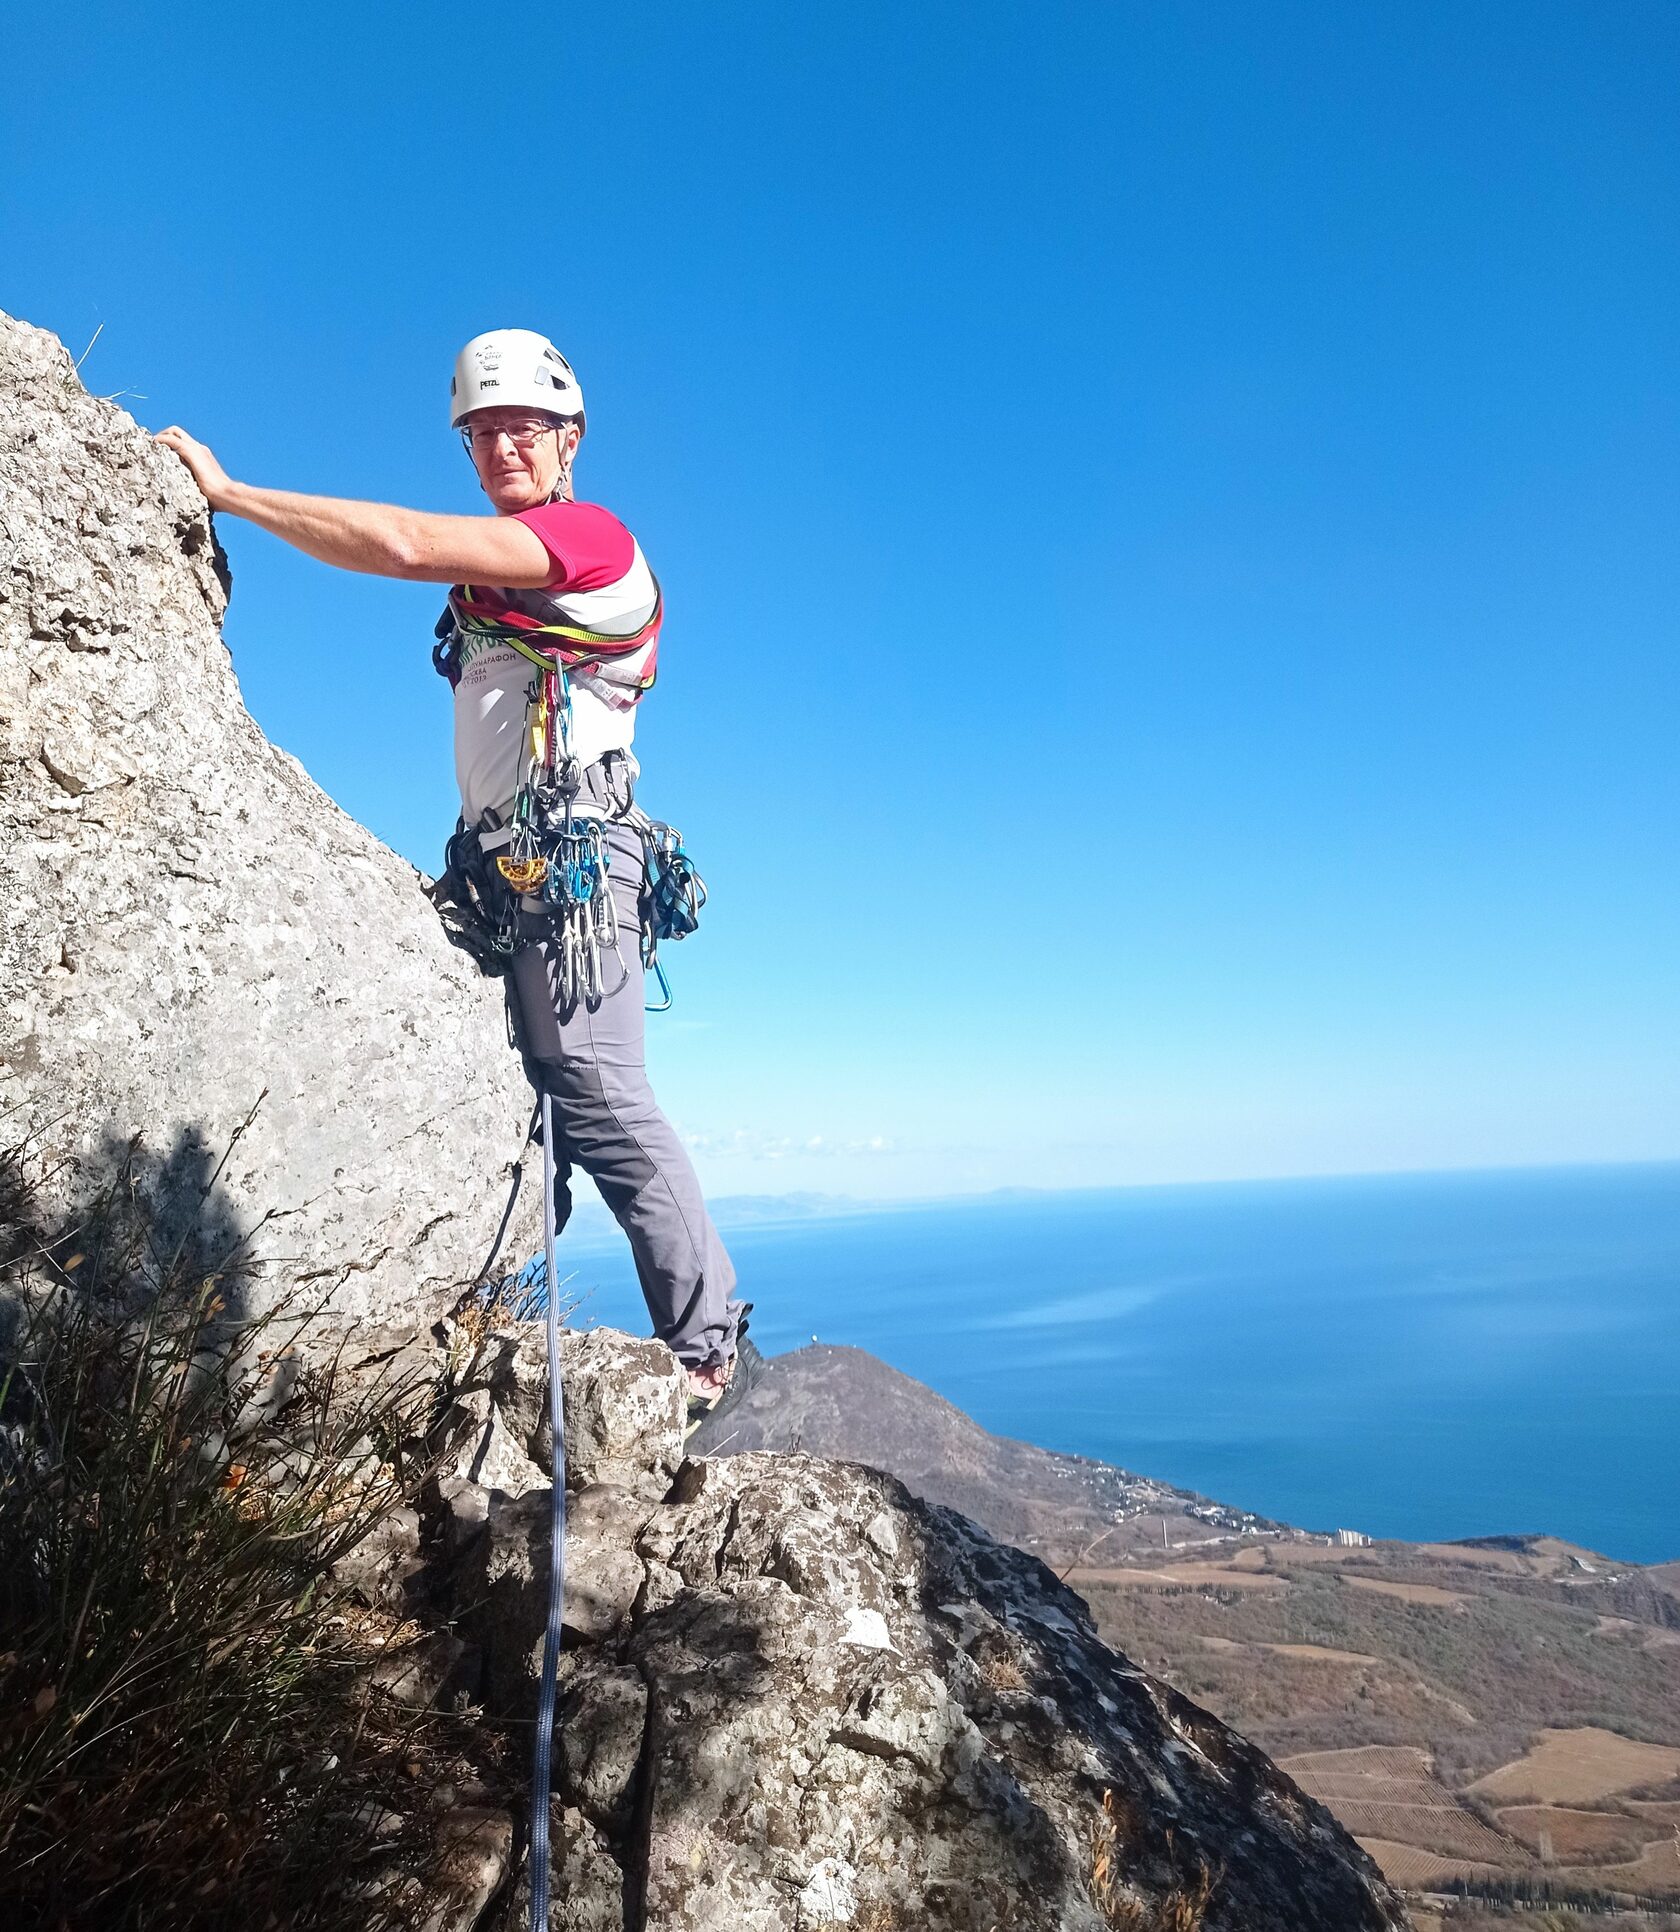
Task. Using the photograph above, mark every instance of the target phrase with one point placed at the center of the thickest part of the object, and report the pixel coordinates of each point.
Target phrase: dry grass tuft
(1183, 1909)
(184, 1740)
(877, 1915)
(1002, 1673)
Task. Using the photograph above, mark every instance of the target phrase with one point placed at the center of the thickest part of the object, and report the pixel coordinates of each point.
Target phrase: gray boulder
(791, 1694)
(192, 926)
(474, 1844)
(825, 1702)
(586, 1886)
(626, 1402)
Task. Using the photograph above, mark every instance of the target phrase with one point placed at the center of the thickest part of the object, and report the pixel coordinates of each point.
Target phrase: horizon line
(818, 1198)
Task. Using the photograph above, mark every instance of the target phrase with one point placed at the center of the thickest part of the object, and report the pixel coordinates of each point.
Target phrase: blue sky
(1168, 516)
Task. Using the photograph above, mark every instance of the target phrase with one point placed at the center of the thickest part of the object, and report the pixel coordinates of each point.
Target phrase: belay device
(550, 881)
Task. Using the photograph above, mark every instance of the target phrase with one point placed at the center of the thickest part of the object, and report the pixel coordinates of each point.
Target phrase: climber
(573, 578)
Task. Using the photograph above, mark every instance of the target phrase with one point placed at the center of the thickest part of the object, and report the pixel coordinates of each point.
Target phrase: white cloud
(752, 1143)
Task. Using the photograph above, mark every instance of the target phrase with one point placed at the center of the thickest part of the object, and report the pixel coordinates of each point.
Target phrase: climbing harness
(545, 875)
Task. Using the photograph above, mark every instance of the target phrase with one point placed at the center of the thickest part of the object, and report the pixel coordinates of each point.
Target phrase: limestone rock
(504, 1582)
(791, 1694)
(461, 1509)
(599, 1723)
(433, 1669)
(625, 1405)
(804, 1719)
(191, 924)
(474, 1844)
(603, 1571)
(385, 1566)
(586, 1887)
(489, 1454)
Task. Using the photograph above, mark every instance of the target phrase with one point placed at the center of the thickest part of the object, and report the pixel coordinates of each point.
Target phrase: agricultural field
(1577, 1766)
(1411, 1592)
(1563, 1834)
(1464, 1915)
(1412, 1870)
(1187, 1575)
(1392, 1802)
(1657, 1870)
(1476, 1715)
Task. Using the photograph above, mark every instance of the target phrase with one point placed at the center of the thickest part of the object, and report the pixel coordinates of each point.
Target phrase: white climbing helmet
(513, 368)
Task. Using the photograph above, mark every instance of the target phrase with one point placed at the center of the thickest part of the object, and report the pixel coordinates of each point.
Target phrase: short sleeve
(591, 549)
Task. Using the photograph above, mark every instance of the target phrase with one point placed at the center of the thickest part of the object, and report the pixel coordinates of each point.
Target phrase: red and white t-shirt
(601, 583)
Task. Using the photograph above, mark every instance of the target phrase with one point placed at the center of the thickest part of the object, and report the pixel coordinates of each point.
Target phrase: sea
(1426, 1356)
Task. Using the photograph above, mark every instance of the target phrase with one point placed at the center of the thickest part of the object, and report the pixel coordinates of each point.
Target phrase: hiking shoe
(738, 1378)
(705, 1393)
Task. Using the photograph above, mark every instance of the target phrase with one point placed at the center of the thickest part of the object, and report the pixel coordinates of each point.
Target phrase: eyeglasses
(522, 432)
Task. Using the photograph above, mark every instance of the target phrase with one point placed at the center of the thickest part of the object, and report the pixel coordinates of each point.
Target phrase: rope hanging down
(543, 1747)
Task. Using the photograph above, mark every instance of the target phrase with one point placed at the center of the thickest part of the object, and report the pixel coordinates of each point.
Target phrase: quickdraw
(560, 859)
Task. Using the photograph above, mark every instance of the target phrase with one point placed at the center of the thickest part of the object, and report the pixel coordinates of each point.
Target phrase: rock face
(189, 922)
(792, 1695)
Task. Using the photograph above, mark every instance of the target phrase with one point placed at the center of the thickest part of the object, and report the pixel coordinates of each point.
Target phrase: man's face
(518, 455)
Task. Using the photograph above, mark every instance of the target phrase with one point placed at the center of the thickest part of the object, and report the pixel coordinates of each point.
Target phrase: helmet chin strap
(562, 491)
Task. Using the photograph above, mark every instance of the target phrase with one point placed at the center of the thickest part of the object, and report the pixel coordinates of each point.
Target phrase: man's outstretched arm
(380, 539)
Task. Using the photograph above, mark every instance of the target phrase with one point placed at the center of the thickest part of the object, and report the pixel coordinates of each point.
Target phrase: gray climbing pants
(609, 1124)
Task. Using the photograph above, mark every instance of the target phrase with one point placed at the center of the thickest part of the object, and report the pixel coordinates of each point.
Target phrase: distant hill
(1499, 1713)
(849, 1405)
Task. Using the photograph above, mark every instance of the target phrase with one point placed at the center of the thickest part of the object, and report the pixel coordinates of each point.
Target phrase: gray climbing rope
(542, 1751)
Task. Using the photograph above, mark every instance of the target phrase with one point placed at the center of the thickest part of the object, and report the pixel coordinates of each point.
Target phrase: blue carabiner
(664, 1005)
